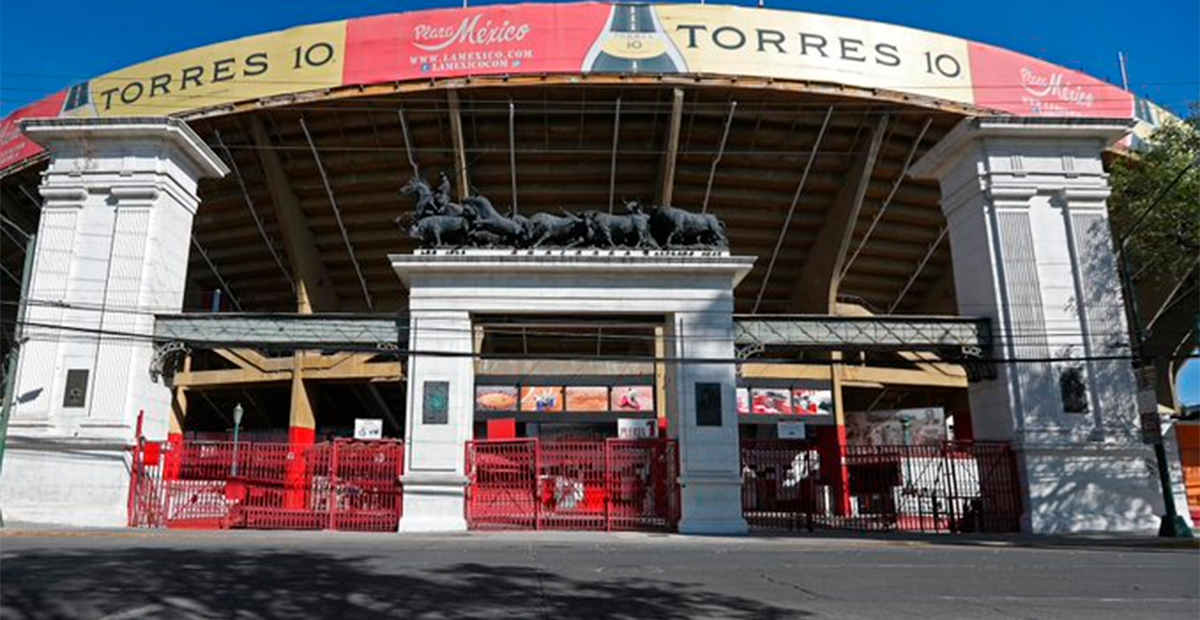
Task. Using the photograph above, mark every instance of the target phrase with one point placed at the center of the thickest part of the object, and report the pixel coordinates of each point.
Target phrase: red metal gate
(572, 485)
(339, 485)
(953, 487)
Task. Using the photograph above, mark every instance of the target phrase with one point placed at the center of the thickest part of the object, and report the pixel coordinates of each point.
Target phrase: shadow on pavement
(178, 583)
(1025, 541)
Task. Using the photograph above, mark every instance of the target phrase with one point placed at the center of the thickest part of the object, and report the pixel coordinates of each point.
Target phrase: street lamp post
(237, 424)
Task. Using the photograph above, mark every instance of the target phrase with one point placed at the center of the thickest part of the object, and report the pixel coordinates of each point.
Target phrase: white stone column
(710, 475)
(1024, 200)
(436, 432)
(112, 250)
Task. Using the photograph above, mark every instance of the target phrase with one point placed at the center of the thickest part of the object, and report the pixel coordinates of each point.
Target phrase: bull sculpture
(439, 222)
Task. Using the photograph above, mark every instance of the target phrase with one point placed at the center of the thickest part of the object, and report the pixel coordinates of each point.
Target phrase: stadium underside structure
(907, 247)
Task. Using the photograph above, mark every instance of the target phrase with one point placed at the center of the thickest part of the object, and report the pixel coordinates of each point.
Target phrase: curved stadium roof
(771, 114)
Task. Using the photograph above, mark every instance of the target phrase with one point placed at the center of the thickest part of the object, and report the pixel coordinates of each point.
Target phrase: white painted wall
(1025, 203)
(113, 241)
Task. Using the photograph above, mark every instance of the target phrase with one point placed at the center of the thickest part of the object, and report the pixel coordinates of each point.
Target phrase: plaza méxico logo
(1053, 93)
(475, 43)
(472, 30)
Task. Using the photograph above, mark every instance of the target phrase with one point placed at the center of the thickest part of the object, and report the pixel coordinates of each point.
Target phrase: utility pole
(1172, 524)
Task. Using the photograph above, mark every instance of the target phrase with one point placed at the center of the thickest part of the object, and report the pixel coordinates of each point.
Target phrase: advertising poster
(771, 401)
(587, 37)
(1026, 86)
(812, 402)
(729, 40)
(542, 399)
(518, 39)
(290, 61)
(913, 427)
(585, 399)
(14, 146)
(495, 398)
(743, 401)
(633, 398)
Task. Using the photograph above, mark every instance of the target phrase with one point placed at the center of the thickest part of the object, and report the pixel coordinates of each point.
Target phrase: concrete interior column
(119, 198)
(1024, 201)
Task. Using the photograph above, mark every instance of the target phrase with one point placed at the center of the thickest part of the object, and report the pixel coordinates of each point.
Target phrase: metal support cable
(337, 214)
(17, 243)
(408, 150)
(512, 152)
(612, 170)
(213, 268)
(787, 222)
(720, 151)
(920, 267)
(14, 225)
(37, 203)
(912, 152)
(237, 174)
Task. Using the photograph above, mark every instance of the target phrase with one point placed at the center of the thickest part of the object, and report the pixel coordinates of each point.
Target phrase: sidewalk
(820, 538)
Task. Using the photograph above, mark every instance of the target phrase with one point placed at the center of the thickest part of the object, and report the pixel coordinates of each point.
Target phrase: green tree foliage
(1166, 242)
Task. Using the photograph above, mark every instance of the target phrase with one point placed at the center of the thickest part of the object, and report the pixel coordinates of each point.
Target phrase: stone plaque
(75, 393)
(435, 403)
(708, 404)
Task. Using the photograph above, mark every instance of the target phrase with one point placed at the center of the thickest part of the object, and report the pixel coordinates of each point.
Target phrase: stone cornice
(946, 154)
(57, 134)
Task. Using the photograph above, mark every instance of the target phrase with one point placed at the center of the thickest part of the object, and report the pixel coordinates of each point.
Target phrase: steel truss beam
(282, 331)
(962, 340)
(956, 340)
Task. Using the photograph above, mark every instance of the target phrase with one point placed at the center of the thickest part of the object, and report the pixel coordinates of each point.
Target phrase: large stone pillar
(440, 415)
(1024, 200)
(710, 477)
(112, 250)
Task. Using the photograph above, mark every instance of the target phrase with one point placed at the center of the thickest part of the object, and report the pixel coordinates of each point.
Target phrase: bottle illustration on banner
(634, 42)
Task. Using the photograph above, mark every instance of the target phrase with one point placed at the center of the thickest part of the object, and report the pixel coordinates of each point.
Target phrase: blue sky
(46, 46)
(1189, 384)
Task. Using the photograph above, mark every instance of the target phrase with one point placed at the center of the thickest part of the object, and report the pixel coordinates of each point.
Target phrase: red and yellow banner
(536, 39)
(521, 39)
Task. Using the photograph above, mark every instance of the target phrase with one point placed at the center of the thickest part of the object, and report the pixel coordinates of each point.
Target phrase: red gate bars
(572, 485)
(951, 487)
(340, 485)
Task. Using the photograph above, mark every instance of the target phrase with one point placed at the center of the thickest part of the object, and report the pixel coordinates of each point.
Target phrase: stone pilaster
(113, 242)
(1024, 200)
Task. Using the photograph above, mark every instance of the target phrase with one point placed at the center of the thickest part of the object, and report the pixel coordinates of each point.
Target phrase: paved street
(128, 575)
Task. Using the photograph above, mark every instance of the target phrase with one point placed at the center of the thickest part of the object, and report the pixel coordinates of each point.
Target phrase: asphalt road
(131, 575)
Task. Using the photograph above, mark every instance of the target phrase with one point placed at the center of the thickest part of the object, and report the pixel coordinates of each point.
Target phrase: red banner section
(14, 146)
(520, 39)
(1025, 86)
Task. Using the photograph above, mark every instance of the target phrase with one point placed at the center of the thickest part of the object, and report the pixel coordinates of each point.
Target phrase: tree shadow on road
(197, 583)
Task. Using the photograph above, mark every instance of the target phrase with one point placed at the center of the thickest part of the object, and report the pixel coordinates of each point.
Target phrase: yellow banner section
(802, 46)
(289, 61)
